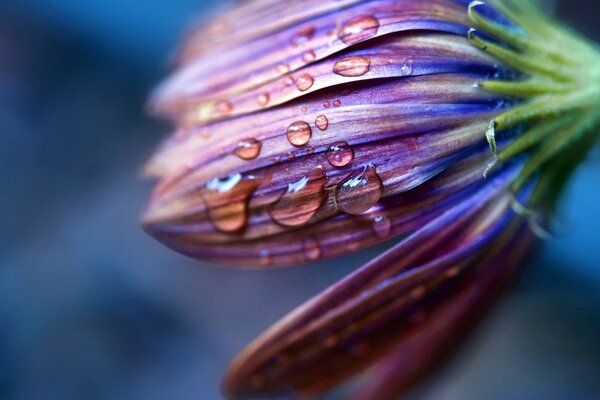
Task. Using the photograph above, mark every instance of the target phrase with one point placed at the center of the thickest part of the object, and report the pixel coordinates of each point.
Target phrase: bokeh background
(92, 308)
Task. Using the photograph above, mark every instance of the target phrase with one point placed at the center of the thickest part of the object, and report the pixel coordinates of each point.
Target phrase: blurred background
(92, 308)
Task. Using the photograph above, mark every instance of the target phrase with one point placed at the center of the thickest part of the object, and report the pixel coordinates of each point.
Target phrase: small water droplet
(227, 201)
(291, 155)
(248, 149)
(359, 191)
(352, 66)
(288, 81)
(301, 201)
(337, 103)
(322, 122)
(358, 29)
(312, 249)
(309, 56)
(407, 68)
(382, 226)
(340, 154)
(225, 107)
(262, 99)
(299, 133)
(326, 104)
(282, 69)
(304, 109)
(303, 36)
(304, 82)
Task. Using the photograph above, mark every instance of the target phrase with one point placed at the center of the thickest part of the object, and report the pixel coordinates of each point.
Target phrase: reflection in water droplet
(359, 191)
(226, 201)
(301, 201)
(322, 122)
(352, 66)
(248, 149)
(382, 226)
(340, 154)
(299, 133)
(262, 99)
(312, 249)
(304, 82)
(359, 29)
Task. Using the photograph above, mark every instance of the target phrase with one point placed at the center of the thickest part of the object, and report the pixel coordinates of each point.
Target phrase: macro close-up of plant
(309, 130)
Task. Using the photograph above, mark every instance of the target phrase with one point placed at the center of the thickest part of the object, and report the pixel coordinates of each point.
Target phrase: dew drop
(340, 154)
(262, 99)
(227, 201)
(358, 29)
(225, 107)
(301, 201)
(303, 36)
(359, 191)
(326, 104)
(248, 149)
(309, 56)
(337, 103)
(304, 82)
(352, 66)
(282, 69)
(382, 226)
(322, 122)
(407, 68)
(299, 133)
(288, 81)
(311, 249)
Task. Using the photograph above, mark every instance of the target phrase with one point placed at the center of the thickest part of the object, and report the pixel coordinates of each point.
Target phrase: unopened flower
(310, 129)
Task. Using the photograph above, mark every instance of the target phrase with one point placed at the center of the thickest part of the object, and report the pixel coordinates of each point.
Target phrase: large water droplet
(301, 201)
(304, 82)
(340, 154)
(359, 29)
(226, 201)
(248, 149)
(322, 122)
(352, 66)
(299, 133)
(359, 191)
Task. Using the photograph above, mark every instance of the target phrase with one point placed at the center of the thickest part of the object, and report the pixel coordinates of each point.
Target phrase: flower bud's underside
(307, 130)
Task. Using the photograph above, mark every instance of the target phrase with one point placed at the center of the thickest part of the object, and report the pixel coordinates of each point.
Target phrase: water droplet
(382, 226)
(358, 29)
(312, 249)
(322, 122)
(309, 56)
(282, 69)
(288, 81)
(337, 103)
(262, 99)
(301, 201)
(326, 104)
(304, 109)
(225, 107)
(352, 66)
(452, 272)
(227, 201)
(304, 82)
(248, 149)
(418, 292)
(359, 191)
(303, 36)
(407, 68)
(291, 155)
(299, 133)
(340, 154)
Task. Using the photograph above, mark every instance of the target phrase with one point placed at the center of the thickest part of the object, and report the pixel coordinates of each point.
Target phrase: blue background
(92, 308)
